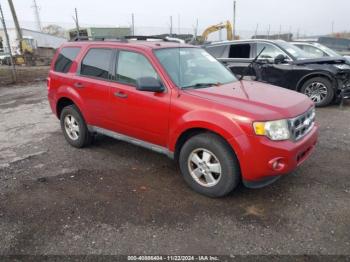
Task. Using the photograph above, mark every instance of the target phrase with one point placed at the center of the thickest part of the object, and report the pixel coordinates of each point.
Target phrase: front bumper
(343, 86)
(263, 160)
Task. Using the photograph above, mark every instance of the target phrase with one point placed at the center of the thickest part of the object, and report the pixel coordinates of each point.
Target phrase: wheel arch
(189, 132)
(64, 101)
(69, 96)
(307, 77)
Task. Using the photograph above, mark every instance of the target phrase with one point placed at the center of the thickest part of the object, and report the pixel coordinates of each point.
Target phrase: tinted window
(65, 59)
(217, 51)
(240, 51)
(132, 66)
(96, 63)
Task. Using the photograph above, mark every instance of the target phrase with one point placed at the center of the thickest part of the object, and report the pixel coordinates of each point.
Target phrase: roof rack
(98, 38)
(127, 38)
(155, 38)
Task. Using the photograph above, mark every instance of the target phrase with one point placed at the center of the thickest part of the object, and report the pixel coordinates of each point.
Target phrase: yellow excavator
(215, 28)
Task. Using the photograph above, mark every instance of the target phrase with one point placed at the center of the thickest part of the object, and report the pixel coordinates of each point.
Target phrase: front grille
(301, 125)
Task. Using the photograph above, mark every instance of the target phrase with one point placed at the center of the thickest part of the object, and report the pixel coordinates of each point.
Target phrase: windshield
(296, 52)
(327, 50)
(193, 67)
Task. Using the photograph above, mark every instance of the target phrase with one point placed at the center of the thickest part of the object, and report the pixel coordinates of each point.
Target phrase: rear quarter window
(217, 51)
(65, 59)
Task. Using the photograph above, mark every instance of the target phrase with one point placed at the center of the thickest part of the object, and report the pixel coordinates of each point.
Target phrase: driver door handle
(121, 94)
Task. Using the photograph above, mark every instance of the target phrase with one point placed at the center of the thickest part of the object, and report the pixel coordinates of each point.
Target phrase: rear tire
(209, 166)
(319, 90)
(74, 127)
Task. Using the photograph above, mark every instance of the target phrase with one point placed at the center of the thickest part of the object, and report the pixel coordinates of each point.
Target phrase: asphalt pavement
(116, 198)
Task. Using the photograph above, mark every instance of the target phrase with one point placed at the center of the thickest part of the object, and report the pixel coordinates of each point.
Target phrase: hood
(322, 60)
(258, 100)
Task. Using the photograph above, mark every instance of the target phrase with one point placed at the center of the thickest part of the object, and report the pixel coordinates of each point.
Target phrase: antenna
(37, 16)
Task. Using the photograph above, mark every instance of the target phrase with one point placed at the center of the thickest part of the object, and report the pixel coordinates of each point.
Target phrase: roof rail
(155, 38)
(142, 37)
(126, 38)
(98, 38)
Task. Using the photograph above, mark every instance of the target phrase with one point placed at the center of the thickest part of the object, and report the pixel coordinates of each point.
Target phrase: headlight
(275, 130)
(342, 66)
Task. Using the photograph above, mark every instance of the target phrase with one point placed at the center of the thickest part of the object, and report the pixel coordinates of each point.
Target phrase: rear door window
(240, 51)
(97, 63)
(65, 59)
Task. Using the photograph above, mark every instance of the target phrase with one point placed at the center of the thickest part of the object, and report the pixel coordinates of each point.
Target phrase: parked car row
(324, 79)
(317, 50)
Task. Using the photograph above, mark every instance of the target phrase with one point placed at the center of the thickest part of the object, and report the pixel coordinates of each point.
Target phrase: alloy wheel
(204, 167)
(316, 91)
(71, 127)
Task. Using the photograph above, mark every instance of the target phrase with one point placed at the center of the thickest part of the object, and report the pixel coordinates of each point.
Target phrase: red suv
(178, 100)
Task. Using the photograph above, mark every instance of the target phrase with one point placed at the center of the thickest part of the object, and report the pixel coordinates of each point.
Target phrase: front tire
(319, 90)
(74, 127)
(209, 166)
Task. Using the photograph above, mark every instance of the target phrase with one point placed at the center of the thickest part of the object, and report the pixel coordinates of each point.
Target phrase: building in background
(42, 46)
(100, 32)
(41, 40)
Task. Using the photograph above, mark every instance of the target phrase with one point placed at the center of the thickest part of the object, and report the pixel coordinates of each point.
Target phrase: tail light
(48, 82)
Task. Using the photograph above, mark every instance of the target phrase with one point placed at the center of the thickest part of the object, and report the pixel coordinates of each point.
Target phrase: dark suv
(324, 80)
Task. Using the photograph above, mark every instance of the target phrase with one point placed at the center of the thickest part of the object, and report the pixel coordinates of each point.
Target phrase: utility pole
(196, 30)
(37, 16)
(76, 22)
(14, 76)
(290, 34)
(256, 30)
(18, 28)
(178, 24)
(234, 20)
(279, 32)
(268, 32)
(171, 25)
(133, 24)
(332, 27)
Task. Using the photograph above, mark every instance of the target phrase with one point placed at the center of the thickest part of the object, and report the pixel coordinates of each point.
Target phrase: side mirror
(280, 59)
(149, 84)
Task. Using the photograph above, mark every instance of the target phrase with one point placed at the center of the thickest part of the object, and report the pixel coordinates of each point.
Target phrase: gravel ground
(115, 198)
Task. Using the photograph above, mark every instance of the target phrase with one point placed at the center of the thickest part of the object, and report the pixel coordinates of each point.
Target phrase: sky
(311, 17)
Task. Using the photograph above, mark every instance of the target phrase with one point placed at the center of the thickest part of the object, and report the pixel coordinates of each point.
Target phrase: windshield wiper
(202, 85)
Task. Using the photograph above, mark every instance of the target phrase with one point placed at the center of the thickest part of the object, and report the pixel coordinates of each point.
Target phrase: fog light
(277, 164)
